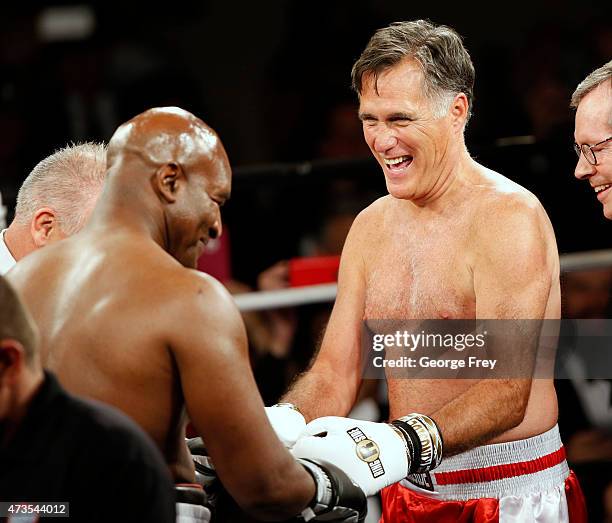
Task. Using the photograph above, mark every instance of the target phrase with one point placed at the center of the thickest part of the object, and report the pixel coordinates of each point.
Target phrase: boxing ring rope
(584, 261)
(263, 300)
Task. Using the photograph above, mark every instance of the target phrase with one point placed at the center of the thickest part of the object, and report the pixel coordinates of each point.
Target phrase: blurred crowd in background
(273, 79)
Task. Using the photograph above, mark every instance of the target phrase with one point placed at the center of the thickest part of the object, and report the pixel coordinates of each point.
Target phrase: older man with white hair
(54, 201)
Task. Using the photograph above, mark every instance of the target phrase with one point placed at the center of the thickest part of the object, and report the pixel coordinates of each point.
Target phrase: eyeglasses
(587, 150)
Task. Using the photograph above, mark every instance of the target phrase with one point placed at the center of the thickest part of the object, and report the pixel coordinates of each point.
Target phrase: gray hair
(591, 82)
(67, 182)
(16, 322)
(447, 67)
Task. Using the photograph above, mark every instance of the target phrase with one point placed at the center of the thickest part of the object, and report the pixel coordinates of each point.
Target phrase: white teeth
(600, 188)
(395, 161)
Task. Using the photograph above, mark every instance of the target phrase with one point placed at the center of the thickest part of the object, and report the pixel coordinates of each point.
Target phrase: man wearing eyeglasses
(590, 447)
(592, 100)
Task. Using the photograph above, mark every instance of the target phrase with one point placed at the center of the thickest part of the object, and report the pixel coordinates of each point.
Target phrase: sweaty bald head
(164, 135)
(169, 168)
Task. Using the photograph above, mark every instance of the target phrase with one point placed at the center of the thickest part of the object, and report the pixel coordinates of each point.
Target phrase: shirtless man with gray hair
(451, 240)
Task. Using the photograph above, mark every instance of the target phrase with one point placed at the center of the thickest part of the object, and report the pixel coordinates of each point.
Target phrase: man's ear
(167, 181)
(459, 110)
(43, 225)
(12, 359)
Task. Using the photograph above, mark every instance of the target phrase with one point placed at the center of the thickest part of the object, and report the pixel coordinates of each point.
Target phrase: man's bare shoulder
(508, 214)
(372, 217)
(202, 317)
(502, 203)
(193, 293)
(365, 231)
(494, 189)
(199, 285)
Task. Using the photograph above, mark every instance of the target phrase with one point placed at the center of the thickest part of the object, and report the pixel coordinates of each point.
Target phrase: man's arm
(208, 342)
(331, 385)
(516, 274)
(210, 347)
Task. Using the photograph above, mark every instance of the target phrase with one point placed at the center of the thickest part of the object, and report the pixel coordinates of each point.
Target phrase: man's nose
(385, 140)
(583, 168)
(215, 230)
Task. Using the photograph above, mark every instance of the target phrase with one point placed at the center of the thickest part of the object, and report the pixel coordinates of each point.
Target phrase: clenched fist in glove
(374, 455)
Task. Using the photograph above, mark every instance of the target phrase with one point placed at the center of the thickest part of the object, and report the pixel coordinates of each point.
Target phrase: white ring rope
(264, 300)
(584, 261)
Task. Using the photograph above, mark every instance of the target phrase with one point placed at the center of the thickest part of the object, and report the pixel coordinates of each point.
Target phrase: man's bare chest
(420, 276)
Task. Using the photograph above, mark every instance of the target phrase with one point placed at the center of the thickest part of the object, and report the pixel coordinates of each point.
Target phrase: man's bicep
(515, 271)
(222, 398)
(340, 350)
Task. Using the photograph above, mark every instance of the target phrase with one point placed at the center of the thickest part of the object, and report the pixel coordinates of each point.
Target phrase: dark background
(273, 79)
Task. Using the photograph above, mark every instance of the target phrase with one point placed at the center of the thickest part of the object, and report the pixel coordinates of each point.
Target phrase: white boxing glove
(287, 421)
(374, 455)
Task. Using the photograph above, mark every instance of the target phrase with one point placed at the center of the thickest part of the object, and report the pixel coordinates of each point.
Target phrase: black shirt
(89, 454)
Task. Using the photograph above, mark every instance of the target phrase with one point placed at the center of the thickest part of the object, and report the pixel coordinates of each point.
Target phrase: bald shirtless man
(124, 319)
(452, 240)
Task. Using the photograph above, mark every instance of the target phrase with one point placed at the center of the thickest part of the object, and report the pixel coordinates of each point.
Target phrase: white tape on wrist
(324, 493)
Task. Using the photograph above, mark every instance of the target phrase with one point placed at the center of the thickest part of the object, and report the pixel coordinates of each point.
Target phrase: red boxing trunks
(520, 481)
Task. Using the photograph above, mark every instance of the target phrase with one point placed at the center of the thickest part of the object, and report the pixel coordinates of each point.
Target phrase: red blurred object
(215, 259)
(313, 270)
(190, 431)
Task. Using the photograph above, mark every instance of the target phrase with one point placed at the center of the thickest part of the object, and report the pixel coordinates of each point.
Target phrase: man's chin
(188, 260)
(399, 192)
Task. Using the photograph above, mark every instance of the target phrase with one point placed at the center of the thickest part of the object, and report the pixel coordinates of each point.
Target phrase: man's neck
(18, 240)
(115, 211)
(449, 183)
(23, 395)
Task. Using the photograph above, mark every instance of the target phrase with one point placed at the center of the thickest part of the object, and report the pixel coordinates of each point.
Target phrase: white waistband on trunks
(515, 468)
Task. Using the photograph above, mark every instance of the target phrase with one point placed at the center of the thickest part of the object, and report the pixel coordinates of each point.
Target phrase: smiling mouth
(601, 188)
(398, 163)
